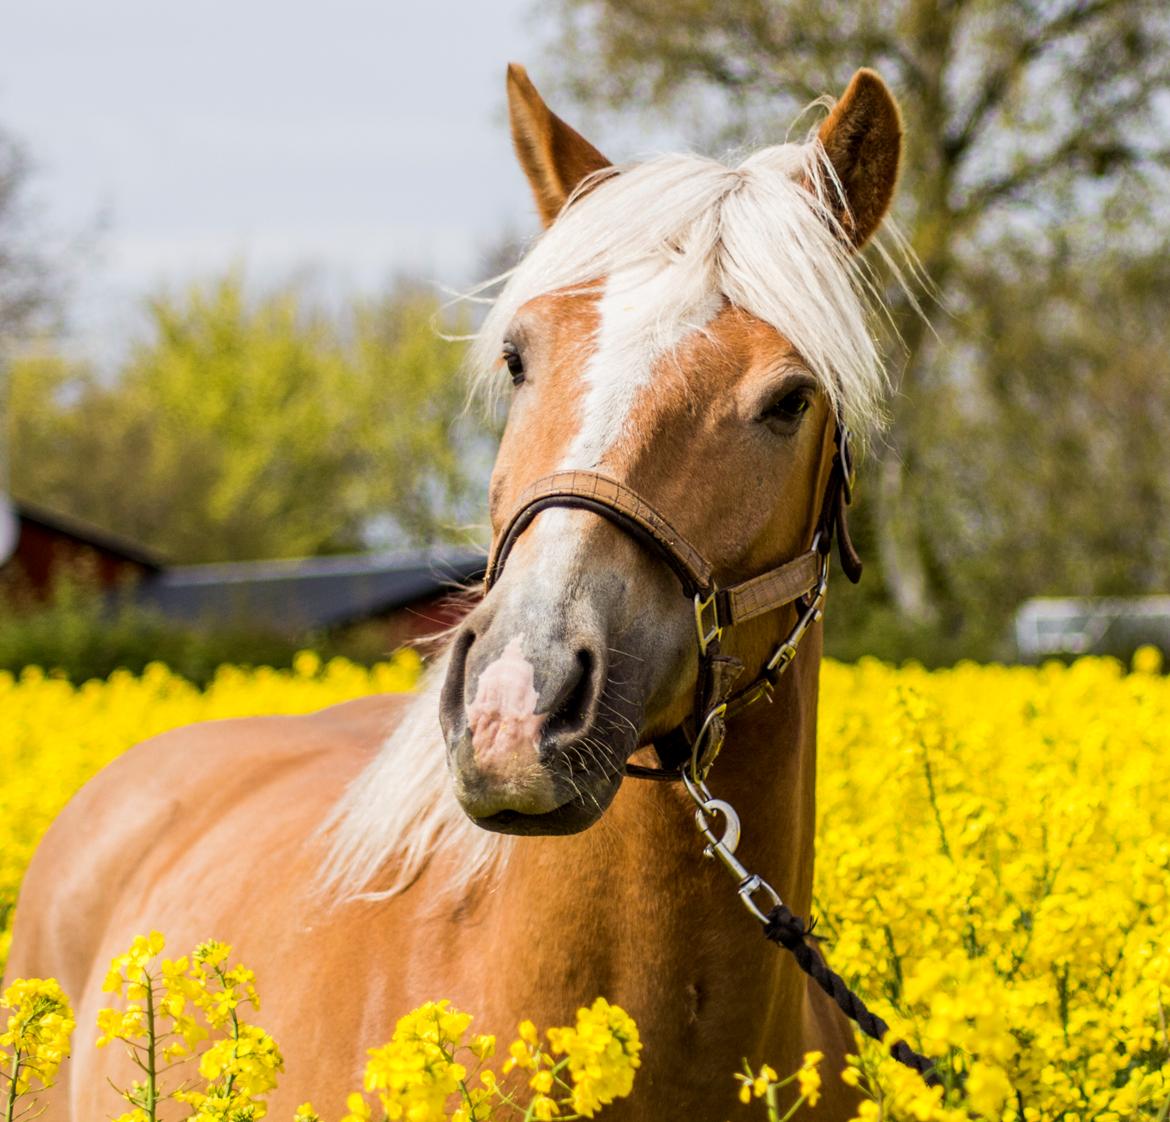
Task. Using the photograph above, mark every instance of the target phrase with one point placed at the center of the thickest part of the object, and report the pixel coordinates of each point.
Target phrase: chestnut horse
(696, 332)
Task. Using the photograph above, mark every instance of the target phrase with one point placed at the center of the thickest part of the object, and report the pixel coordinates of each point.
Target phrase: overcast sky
(362, 137)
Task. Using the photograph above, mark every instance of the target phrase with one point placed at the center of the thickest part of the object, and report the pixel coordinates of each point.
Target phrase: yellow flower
(483, 1046)
(306, 1113)
(766, 1077)
(544, 1108)
(602, 1050)
(357, 1107)
(542, 1081)
(988, 1088)
(808, 1078)
(414, 1074)
(131, 966)
(36, 1037)
(1147, 660)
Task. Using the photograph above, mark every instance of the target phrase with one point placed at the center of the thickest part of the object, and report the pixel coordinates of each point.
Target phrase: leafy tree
(256, 428)
(1034, 122)
(25, 293)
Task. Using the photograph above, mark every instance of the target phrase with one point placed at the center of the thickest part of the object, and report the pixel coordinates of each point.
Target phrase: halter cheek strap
(802, 581)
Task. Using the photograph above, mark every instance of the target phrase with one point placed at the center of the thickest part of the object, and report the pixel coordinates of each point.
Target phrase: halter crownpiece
(802, 581)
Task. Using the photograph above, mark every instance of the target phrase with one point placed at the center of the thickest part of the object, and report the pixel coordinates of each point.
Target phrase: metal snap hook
(731, 829)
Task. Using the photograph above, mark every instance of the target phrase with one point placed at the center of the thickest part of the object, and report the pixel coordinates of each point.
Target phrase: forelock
(763, 234)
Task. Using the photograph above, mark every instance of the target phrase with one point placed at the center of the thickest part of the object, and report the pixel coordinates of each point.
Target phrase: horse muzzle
(536, 741)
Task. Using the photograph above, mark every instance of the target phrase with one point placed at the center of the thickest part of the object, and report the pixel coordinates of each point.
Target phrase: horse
(698, 334)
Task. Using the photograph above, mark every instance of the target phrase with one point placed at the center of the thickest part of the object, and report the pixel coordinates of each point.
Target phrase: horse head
(696, 333)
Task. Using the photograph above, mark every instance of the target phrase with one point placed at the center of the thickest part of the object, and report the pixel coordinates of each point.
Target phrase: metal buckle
(783, 655)
(707, 635)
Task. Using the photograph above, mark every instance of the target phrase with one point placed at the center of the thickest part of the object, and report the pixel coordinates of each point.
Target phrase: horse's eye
(785, 413)
(514, 362)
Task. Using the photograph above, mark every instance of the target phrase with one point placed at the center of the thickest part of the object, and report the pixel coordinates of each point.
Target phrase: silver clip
(722, 848)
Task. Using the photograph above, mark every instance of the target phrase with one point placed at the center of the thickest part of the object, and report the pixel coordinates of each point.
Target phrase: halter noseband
(803, 581)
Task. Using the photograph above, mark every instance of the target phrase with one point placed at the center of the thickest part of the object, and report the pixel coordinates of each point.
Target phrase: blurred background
(229, 235)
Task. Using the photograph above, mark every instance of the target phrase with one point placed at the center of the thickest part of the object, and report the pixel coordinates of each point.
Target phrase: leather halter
(801, 581)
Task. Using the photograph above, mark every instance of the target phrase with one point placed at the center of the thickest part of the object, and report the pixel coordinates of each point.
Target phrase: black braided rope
(788, 930)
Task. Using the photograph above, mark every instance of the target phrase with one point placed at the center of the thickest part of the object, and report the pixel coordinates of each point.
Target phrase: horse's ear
(554, 156)
(862, 137)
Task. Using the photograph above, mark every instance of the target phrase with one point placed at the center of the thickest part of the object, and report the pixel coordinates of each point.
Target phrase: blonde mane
(764, 234)
(401, 811)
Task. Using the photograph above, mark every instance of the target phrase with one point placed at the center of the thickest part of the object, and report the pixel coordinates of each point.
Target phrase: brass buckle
(707, 634)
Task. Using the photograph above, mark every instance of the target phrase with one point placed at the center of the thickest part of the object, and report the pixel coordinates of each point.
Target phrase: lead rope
(786, 929)
(780, 924)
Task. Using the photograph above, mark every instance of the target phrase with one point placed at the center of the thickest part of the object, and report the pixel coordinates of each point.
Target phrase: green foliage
(80, 635)
(80, 632)
(1025, 455)
(246, 429)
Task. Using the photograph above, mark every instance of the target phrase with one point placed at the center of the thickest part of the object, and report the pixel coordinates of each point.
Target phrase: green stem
(942, 831)
(14, 1075)
(219, 971)
(151, 1103)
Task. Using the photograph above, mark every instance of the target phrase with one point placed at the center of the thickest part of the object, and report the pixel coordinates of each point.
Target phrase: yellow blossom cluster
(54, 735)
(38, 1024)
(602, 1052)
(172, 1006)
(416, 1072)
(993, 875)
(766, 1084)
(418, 1075)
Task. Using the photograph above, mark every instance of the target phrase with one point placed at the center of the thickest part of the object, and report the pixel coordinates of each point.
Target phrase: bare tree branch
(1031, 47)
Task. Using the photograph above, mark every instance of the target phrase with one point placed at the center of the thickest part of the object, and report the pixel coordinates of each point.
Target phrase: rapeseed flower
(36, 1039)
(602, 1051)
(993, 870)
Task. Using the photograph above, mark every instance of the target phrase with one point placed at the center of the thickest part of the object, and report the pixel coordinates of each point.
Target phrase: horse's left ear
(862, 137)
(554, 156)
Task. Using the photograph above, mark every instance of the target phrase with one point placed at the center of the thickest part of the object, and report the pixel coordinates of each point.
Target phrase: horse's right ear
(554, 156)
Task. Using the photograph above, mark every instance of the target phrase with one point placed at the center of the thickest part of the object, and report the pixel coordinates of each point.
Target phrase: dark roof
(82, 532)
(309, 592)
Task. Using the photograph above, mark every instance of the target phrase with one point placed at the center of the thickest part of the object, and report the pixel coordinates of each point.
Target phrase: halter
(688, 751)
(802, 581)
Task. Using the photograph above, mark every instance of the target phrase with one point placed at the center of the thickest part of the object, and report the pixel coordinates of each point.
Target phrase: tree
(25, 293)
(259, 428)
(1025, 119)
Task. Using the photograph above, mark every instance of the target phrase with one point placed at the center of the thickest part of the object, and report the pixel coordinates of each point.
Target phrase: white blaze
(643, 313)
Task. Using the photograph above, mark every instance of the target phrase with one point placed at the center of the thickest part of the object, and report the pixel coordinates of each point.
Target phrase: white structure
(1051, 626)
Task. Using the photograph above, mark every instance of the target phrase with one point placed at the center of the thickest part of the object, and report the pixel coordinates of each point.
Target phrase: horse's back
(179, 833)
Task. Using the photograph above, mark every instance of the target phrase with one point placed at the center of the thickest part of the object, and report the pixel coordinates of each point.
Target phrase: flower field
(993, 858)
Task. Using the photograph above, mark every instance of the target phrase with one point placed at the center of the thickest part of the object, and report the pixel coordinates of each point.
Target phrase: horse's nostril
(453, 696)
(574, 713)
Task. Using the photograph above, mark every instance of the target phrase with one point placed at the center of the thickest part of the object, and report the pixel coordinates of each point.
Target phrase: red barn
(41, 543)
(408, 594)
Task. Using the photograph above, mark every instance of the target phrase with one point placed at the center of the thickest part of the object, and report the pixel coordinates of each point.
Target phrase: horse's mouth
(571, 817)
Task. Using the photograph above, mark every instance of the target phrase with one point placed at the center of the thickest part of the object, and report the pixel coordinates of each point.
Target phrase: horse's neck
(631, 907)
